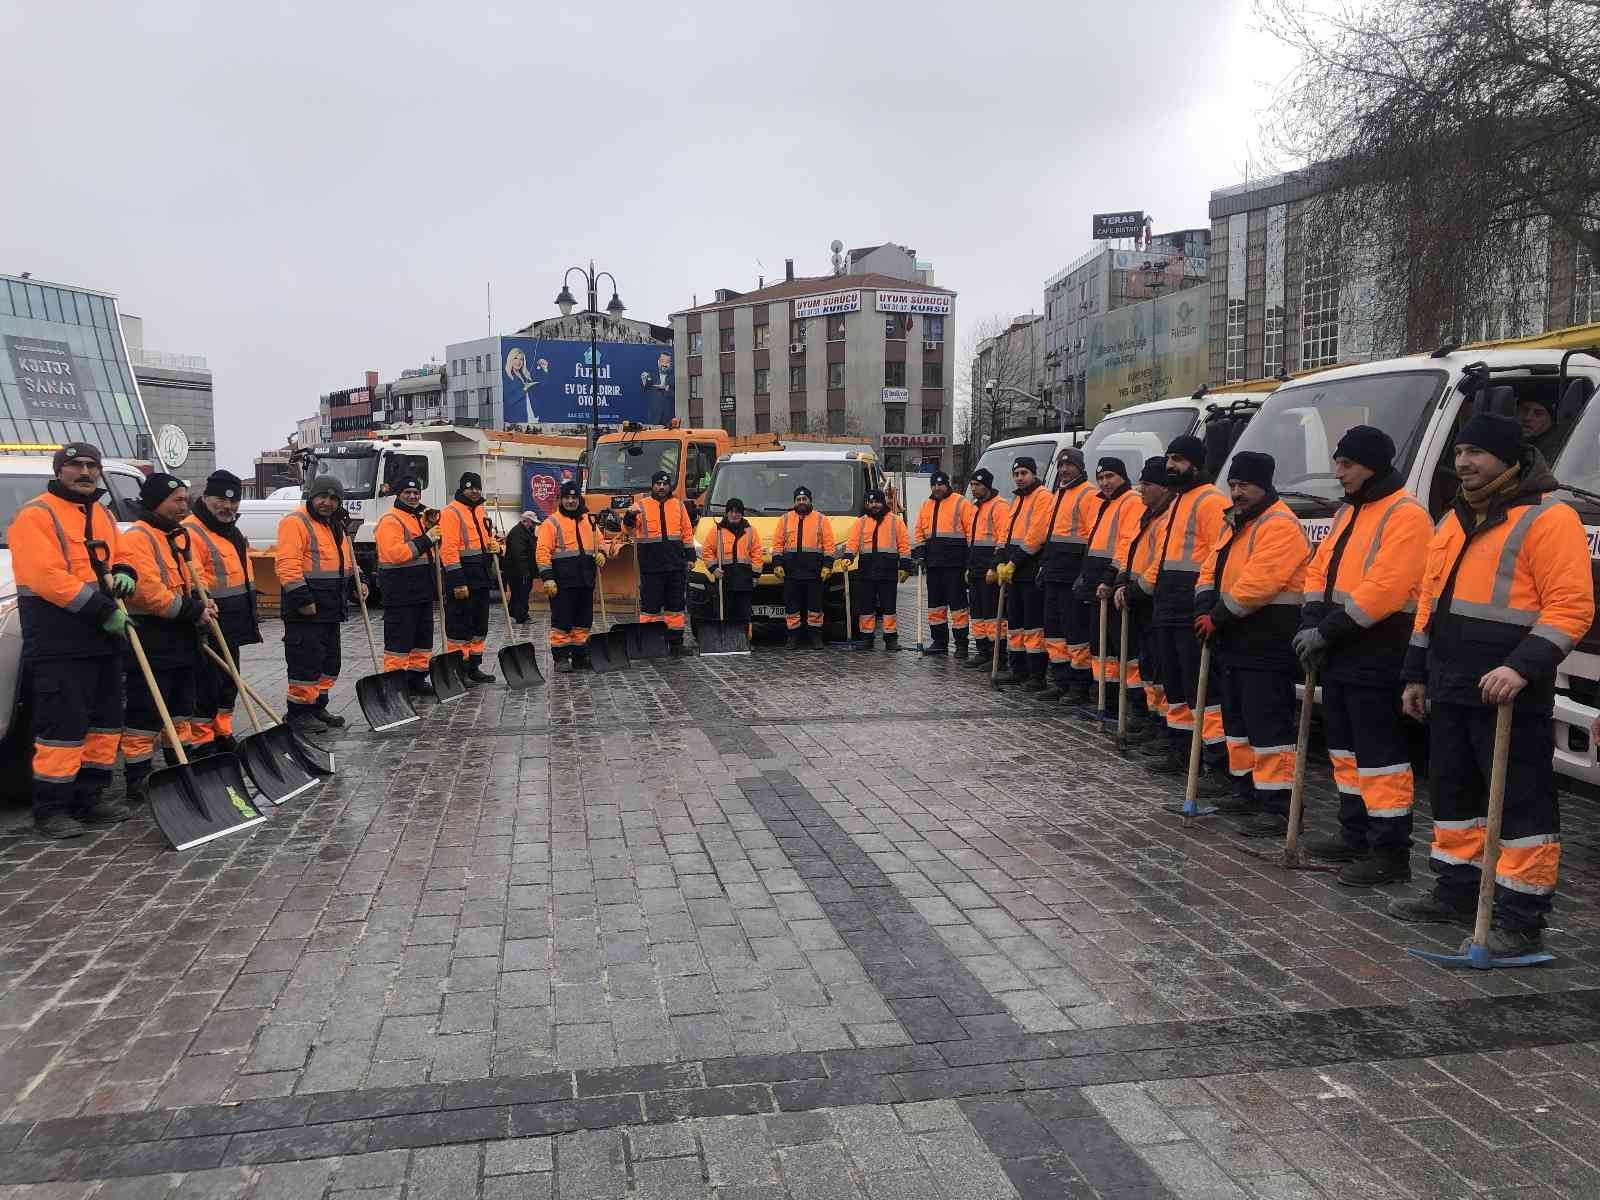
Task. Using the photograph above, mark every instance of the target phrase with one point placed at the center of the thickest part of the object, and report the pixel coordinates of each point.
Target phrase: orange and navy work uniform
(1115, 526)
(738, 553)
(221, 555)
(1251, 587)
(1187, 531)
(1506, 587)
(169, 616)
(663, 537)
(985, 531)
(564, 552)
(881, 547)
(1361, 594)
(1066, 622)
(464, 539)
(1134, 568)
(315, 565)
(804, 548)
(1027, 532)
(75, 666)
(406, 578)
(939, 543)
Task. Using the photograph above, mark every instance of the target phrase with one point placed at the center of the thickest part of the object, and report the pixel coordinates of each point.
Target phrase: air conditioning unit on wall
(929, 347)
(797, 347)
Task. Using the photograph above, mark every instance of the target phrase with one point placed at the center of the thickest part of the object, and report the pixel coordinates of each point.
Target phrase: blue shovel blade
(1479, 958)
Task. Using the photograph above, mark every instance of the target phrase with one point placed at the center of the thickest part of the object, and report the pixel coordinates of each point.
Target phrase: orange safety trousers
(77, 722)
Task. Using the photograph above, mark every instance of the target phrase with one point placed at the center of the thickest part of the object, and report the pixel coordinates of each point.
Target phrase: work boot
(419, 683)
(1334, 849)
(225, 743)
(814, 638)
(1375, 870)
(675, 649)
(961, 645)
(937, 645)
(301, 720)
(982, 657)
(564, 665)
(59, 827)
(868, 641)
(1265, 825)
(1427, 909)
(1159, 744)
(103, 814)
(1510, 943)
(475, 673)
(331, 720)
(891, 642)
(1078, 691)
(1171, 762)
(1054, 691)
(1034, 683)
(791, 640)
(1237, 804)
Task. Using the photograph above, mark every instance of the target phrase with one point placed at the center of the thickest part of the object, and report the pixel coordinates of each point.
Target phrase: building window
(1585, 288)
(836, 375)
(835, 422)
(477, 363)
(727, 341)
(1234, 371)
(933, 374)
(836, 329)
(797, 331)
(1319, 309)
(763, 334)
(893, 462)
(894, 418)
(730, 423)
(727, 384)
(762, 377)
(894, 374)
(933, 329)
(697, 387)
(797, 420)
(697, 343)
(930, 419)
(1272, 365)
(894, 328)
(797, 379)
(763, 422)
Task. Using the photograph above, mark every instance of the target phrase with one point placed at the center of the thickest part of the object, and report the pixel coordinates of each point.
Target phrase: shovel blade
(269, 759)
(519, 666)
(386, 700)
(646, 639)
(1479, 958)
(200, 802)
(448, 673)
(311, 755)
(722, 637)
(604, 656)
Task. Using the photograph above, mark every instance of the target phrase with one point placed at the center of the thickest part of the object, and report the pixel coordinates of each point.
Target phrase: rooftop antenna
(838, 258)
(488, 298)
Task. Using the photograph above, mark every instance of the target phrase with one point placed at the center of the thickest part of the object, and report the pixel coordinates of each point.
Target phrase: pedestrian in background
(521, 568)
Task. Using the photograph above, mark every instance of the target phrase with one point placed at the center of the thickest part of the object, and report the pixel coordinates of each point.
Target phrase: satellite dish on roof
(837, 246)
(838, 258)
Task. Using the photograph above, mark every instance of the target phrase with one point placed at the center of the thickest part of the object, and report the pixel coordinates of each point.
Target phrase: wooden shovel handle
(1492, 822)
(155, 692)
(372, 646)
(1291, 844)
(1100, 685)
(1193, 786)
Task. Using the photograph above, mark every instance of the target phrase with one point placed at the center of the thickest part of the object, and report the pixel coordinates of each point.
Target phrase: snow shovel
(1292, 859)
(447, 669)
(722, 637)
(643, 639)
(385, 696)
(999, 635)
(606, 653)
(307, 753)
(1475, 953)
(519, 661)
(1191, 788)
(193, 803)
(268, 754)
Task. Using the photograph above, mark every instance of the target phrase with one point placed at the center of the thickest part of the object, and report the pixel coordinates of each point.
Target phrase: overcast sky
(301, 192)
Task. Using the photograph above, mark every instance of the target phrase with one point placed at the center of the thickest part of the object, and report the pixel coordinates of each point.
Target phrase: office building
(417, 397)
(1008, 389)
(178, 397)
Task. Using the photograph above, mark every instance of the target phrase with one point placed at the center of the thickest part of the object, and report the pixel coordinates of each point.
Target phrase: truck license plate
(774, 611)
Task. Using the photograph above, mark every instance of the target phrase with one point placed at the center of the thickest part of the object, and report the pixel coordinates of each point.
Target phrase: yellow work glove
(432, 534)
(1006, 572)
(460, 593)
(494, 546)
(904, 575)
(550, 587)
(700, 568)
(990, 577)
(599, 558)
(777, 572)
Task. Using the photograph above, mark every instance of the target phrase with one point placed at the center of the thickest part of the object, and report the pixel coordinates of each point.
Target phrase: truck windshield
(768, 487)
(627, 466)
(15, 491)
(1134, 437)
(358, 472)
(1300, 426)
(998, 459)
(1579, 461)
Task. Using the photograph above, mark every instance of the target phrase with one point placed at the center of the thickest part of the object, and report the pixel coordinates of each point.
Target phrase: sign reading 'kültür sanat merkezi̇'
(46, 377)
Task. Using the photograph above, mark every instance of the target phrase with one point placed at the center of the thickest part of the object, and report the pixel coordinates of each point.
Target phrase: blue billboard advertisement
(550, 382)
(540, 483)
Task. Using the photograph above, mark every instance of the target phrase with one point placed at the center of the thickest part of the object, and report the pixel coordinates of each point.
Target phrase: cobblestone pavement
(825, 924)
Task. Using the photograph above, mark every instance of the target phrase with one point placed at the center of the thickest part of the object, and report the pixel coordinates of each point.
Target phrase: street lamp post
(566, 303)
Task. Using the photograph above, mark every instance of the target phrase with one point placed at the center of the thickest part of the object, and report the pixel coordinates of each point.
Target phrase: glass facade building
(64, 371)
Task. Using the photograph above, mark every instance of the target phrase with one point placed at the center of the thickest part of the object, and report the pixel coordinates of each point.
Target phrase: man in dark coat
(520, 566)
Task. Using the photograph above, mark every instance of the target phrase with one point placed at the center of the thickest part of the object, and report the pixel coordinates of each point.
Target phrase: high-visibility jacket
(565, 550)
(1136, 567)
(1071, 520)
(940, 538)
(165, 604)
(1252, 585)
(1027, 530)
(990, 519)
(804, 545)
(1112, 531)
(314, 561)
(1189, 529)
(663, 534)
(1362, 582)
(230, 580)
(737, 551)
(881, 546)
(405, 557)
(464, 545)
(1514, 590)
(59, 598)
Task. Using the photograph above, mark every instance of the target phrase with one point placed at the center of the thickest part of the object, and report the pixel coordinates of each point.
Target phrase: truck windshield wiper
(1331, 505)
(1578, 491)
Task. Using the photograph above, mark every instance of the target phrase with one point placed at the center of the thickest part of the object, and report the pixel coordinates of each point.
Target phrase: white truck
(437, 454)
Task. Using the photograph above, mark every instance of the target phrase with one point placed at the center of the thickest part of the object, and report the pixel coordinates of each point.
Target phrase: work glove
(904, 575)
(599, 558)
(991, 577)
(701, 567)
(1310, 647)
(550, 588)
(432, 534)
(827, 570)
(1006, 572)
(691, 554)
(630, 519)
(494, 546)
(717, 574)
(777, 572)
(121, 584)
(1204, 627)
(460, 593)
(116, 624)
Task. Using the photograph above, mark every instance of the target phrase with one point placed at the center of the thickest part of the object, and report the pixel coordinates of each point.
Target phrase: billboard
(549, 382)
(1118, 224)
(46, 378)
(540, 483)
(1152, 350)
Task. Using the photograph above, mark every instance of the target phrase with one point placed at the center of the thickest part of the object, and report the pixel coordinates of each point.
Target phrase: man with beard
(315, 562)
(882, 546)
(465, 545)
(804, 550)
(570, 559)
(663, 536)
(405, 572)
(732, 552)
(222, 555)
(1018, 569)
(1114, 528)
(990, 516)
(1147, 700)
(1066, 625)
(939, 546)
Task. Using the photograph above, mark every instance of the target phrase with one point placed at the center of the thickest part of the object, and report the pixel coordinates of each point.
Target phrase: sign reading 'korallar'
(46, 378)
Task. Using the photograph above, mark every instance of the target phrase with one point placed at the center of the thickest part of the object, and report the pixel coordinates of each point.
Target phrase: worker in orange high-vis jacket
(222, 554)
(1247, 606)
(1506, 594)
(406, 544)
(877, 557)
(986, 529)
(732, 553)
(569, 556)
(1147, 704)
(315, 563)
(465, 545)
(72, 642)
(939, 548)
(803, 551)
(663, 536)
(169, 615)
(1361, 598)
(1073, 511)
(1018, 557)
(1189, 530)
(1113, 531)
